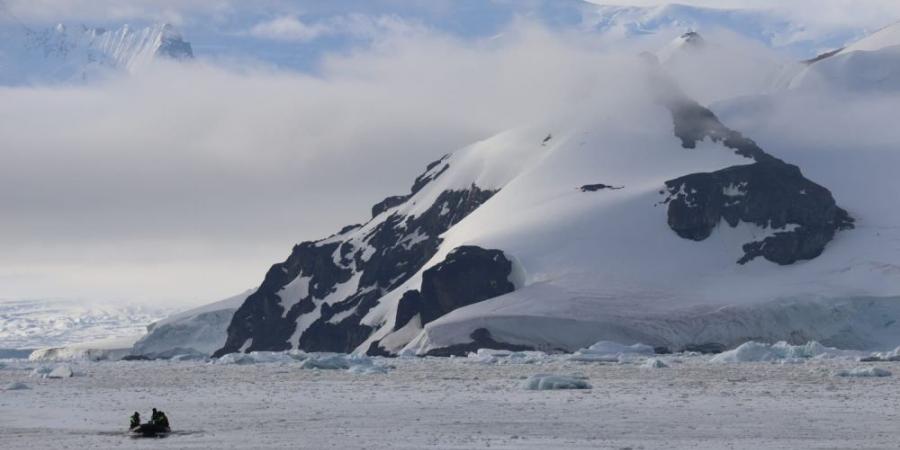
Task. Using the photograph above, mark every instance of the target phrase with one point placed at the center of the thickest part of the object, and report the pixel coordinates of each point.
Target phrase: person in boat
(154, 416)
(135, 420)
(163, 421)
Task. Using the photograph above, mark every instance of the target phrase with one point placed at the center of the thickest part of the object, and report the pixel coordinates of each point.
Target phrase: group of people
(157, 418)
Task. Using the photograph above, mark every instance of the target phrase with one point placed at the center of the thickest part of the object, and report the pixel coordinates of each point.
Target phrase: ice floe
(546, 382)
(607, 351)
(863, 372)
(490, 356)
(654, 363)
(780, 351)
(61, 371)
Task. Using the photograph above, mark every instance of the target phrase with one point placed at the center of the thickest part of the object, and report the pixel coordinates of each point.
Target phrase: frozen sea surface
(454, 403)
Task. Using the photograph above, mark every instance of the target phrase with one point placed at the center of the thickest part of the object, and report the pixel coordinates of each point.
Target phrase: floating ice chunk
(62, 371)
(41, 371)
(16, 386)
(654, 363)
(335, 361)
(606, 351)
(368, 369)
(236, 358)
(893, 355)
(261, 358)
(780, 351)
(491, 356)
(863, 372)
(546, 382)
(188, 357)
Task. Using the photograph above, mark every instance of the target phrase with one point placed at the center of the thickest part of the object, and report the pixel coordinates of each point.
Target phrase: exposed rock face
(468, 275)
(316, 299)
(599, 187)
(769, 193)
(172, 45)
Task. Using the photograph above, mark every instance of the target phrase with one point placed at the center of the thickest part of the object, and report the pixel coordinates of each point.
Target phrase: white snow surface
(871, 64)
(201, 330)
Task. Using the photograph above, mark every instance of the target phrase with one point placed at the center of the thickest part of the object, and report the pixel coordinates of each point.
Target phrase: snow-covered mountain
(765, 26)
(63, 53)
(871, 64)
(656, 224)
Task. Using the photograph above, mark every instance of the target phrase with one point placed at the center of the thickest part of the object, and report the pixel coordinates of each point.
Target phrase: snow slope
(871, 64)
(200, 330)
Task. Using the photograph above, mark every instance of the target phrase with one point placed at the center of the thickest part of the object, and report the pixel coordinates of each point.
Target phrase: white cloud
(291, 28)
(193, 166)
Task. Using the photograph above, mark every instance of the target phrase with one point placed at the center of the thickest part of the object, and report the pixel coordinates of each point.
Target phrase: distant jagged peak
(692, 38)
(689, 41)
(82, 48)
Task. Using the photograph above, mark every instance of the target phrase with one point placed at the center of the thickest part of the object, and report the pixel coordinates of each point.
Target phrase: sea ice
(780, 351)
(335, 362)
(261, 358)
(863, 372)
(546, 382)
(607, 351)
(490, 356)
(893, 355)
(41, 371)
(62, 371)
(654, 363)
(368, 369)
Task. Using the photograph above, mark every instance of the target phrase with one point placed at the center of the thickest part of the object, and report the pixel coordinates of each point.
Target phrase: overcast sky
(183, 184)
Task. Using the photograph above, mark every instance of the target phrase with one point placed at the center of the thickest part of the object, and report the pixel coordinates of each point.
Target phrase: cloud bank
(187, 181)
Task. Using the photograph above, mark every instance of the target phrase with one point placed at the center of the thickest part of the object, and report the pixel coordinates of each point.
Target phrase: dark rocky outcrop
(481, 338)
(767, 192)
(706, 348)
(468, 275)
(599, 187)
(364, 262)
(173, 46)
(822, 56)
(409, 305)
